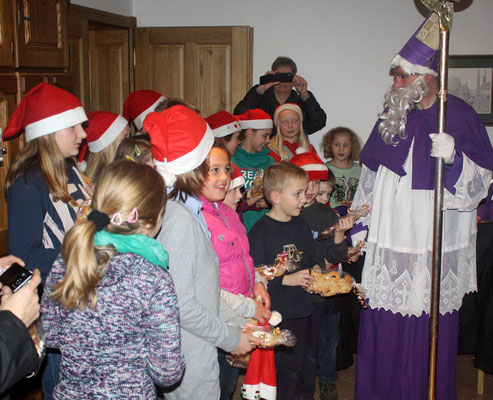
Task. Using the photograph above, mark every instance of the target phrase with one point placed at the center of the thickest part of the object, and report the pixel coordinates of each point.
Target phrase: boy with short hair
(326, 188)
(323, 334)
(252, 157)
(282, 230)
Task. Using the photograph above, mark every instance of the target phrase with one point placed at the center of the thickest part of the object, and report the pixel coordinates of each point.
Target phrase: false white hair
(398, 103)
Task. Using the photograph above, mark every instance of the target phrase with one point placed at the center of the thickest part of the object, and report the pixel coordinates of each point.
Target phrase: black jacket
(319, 217)
(314, 117)
(18, 356)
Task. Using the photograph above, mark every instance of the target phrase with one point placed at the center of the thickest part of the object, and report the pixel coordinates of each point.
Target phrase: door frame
(83, 19)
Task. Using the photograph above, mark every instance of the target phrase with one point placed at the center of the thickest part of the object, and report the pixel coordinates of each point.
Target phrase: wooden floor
(466, 382)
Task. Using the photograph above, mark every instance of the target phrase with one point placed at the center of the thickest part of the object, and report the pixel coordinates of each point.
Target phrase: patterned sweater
(125, 346)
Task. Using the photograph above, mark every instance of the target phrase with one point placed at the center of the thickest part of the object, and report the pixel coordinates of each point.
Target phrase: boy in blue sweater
(284, 188)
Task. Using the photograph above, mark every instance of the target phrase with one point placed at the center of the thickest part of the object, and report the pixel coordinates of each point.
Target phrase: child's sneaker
(328, 391)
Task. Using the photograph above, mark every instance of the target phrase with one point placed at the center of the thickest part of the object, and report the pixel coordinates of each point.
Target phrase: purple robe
(393, 349)
(462, 123)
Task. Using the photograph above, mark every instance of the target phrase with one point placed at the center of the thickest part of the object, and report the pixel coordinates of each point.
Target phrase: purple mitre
(420, 54)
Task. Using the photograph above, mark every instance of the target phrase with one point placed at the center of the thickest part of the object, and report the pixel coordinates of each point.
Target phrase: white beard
(398, 103)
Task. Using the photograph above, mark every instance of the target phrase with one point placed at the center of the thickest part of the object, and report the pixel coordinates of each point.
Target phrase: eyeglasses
(395, 75)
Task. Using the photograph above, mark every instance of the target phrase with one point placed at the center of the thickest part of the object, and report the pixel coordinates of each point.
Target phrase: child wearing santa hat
(236, 270)
(181, 141)
(43, 184)
(252, 157)
(324, 319)
(226, 129)
(234, 194)
(105, 131)
(138, 105)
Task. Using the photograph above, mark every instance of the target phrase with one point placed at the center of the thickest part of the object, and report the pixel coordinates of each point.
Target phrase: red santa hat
(312, 164)
(103, 128)
(237, 178)
(287, 106)
(255, 119)
(223, 124)
(180, 140)
(43, 110)
(260, 378)
(139, 104)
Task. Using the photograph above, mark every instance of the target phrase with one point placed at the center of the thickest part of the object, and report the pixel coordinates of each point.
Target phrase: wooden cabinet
(33, 34)
(33, 49)
(7, 33)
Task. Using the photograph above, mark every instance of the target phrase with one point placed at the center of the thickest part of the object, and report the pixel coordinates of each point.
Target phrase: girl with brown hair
(44, 185)
(105, 131)
(181, 142)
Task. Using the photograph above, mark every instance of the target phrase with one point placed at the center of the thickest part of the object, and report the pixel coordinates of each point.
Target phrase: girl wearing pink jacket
(236, 269)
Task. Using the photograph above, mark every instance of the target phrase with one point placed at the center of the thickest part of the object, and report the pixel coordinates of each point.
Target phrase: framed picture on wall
(470, 78)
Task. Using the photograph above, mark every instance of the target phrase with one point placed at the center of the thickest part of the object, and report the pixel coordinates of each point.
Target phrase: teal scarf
(141, 245)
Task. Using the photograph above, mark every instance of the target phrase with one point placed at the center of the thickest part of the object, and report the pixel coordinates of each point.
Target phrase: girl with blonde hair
(288, 119)
(110, 291)
(105, 131)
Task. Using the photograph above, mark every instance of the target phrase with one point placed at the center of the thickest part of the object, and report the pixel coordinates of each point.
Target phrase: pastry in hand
(330, 283)
(269, 272)
(273, 338)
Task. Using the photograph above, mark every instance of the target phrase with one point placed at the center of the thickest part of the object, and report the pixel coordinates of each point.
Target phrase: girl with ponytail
(109, 303)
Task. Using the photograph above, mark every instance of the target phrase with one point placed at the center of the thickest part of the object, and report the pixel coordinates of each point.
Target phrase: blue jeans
(327, 346)
(50, 372)
(228, 376)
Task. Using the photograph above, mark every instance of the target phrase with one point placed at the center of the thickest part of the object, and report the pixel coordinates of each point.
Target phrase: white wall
(122, 7)
(342, 47)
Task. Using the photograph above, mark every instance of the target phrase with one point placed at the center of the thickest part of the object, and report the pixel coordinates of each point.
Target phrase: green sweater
(347, 180)
(250, 164)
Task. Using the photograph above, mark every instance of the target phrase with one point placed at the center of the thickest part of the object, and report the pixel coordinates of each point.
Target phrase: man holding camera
(272, 94)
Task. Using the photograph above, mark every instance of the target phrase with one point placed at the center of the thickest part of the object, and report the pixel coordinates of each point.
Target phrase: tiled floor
(466, 382)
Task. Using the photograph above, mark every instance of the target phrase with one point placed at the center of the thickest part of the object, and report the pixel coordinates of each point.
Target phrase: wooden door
(109, 69)
(79, 56)
(210, 67)
(41, 33)
(8, 102)
(101, 55)
(6, 34)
